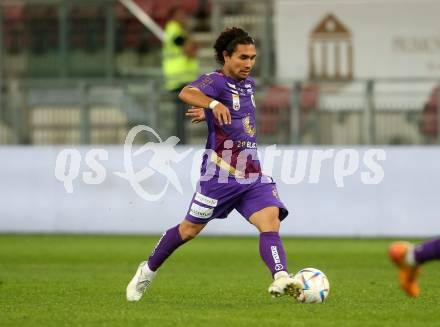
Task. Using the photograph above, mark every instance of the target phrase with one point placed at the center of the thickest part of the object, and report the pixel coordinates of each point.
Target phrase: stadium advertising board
(355, 191)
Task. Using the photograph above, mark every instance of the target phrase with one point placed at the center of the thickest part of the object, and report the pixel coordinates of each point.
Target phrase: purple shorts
(214, 200)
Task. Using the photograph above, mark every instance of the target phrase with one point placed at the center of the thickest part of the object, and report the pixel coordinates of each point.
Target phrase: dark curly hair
(228, 40)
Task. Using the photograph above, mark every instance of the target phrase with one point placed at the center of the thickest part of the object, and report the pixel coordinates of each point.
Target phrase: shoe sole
(293, 290)
(275, 294)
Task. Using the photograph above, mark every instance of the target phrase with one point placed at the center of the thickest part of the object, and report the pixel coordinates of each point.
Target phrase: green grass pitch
(66, 280)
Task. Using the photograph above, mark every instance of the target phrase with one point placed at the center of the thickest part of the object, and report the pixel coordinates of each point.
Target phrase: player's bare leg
(168, 243)
(272, 253)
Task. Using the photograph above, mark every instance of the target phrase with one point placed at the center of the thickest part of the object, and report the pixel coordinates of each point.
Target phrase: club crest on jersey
(248, 128)
(236, 102)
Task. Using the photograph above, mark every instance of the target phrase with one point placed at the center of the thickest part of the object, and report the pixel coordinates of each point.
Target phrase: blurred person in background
(409, 257)
(180, 65)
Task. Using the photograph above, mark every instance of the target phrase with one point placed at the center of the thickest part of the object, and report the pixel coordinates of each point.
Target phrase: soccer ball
(315, 285)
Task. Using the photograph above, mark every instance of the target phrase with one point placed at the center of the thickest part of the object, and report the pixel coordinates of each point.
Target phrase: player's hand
(222, 114)
(197, 114)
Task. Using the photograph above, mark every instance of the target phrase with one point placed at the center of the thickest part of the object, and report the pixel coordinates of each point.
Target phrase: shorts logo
(205, 200)
(275, 193)
(200, 212)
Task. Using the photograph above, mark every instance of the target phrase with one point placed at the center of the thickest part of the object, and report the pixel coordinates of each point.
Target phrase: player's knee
(188, 231)
(272, 223)
(266, 220)
(189, 234)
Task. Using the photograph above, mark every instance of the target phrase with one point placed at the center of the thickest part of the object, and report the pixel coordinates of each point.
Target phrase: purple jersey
(238, 139)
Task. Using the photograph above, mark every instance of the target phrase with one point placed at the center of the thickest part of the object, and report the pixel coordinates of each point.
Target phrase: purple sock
(429, 250)
(169, 242)
(272, 252)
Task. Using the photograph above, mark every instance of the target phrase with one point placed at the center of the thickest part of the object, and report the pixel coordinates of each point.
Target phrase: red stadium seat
(430, 114)
(278, 99)
(13, 28)
(159, 10)
(309, 97)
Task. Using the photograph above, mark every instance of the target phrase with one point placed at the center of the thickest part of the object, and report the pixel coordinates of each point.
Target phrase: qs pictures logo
(163, 154)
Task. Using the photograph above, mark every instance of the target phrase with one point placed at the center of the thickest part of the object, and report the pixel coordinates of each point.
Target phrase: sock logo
(157, 244)
(279, 267)
(275, 256)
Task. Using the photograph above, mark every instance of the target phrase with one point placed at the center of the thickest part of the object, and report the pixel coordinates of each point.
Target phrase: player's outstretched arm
(193, 96)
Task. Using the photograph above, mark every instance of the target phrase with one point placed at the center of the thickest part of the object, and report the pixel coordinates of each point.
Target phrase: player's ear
(226, 54)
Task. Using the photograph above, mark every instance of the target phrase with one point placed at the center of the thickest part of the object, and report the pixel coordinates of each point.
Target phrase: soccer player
(231, 175)
(408, 259)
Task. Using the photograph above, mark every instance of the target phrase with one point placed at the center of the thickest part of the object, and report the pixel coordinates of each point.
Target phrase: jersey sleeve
(208, 84)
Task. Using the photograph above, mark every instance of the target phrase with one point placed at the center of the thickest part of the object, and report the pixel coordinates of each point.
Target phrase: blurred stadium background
(84, 72)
